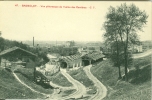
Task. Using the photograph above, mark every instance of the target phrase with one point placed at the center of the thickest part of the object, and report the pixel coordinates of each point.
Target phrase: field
(138, 86)
(80, 75)
(10, 88)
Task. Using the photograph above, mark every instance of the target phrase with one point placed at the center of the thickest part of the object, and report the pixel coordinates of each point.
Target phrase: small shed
(17, 56)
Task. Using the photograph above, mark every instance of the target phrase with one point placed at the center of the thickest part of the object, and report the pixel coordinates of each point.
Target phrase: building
(88, 49)
(16, 56)
(137, 48)
(71, 61)
(79, 60)
(50, 67)
(146, 45)
(92, 58)
(69, 43)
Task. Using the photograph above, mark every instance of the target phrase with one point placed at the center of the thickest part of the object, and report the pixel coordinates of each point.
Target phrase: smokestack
(33, 41)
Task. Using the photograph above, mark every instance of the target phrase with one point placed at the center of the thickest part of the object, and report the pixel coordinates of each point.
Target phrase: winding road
(101, 89)
(80, 88)
(149, 52)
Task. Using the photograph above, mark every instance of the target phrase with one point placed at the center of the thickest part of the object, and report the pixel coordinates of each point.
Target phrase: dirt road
(101, 89)
(80, 88)
(142, 54)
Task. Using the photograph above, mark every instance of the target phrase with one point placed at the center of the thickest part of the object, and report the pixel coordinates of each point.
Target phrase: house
(16, 56)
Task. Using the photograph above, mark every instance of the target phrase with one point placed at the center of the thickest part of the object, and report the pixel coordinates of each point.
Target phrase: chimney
(33, 41)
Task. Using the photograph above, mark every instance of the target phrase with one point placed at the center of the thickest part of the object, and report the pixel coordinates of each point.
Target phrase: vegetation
(26, 76)
(63, 51)
(10, 88)
(121, 26)
(80, 75)
(5, 44)
(59, 79)
(137, 88)
(67, 92)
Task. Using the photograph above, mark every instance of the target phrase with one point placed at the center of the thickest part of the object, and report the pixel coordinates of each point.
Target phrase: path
(101, 89)
(142, 54)
(80, 88)
(29, 86)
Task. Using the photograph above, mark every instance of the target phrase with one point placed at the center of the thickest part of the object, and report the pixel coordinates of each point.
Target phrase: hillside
(81, 76)
(138, 87)
(26, 74)
(10, 88)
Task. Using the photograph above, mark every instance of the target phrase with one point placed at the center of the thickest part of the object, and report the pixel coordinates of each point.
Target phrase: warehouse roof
(71, 58)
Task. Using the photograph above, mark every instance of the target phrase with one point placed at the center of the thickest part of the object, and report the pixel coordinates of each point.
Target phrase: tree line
(63, 51)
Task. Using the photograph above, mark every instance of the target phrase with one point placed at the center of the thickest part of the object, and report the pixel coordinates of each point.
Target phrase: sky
(61, 24)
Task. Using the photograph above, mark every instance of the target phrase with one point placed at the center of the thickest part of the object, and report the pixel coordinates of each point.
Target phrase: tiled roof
(15, 48)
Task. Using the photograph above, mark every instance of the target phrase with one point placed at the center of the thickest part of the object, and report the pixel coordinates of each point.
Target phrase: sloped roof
(94, 55)
(15, 48)
(71, 58)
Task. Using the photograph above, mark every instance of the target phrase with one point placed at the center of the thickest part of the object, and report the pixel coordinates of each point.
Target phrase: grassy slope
(138, 88)
(68, 92)
(10, 88)
(59, 79)
(82, 77)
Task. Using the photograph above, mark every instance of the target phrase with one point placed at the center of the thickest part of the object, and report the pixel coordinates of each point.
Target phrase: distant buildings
(88, 49)
(146, 45)
(141, 46)
(134, 48)
(70, 43)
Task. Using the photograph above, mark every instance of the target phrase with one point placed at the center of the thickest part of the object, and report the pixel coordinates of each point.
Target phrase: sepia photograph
(75, 50)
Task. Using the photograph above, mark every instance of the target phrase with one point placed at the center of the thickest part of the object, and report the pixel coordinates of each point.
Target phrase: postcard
(82, 50)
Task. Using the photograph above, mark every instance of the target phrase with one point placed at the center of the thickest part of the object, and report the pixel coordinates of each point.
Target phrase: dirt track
(101, 89)
(80, 88)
